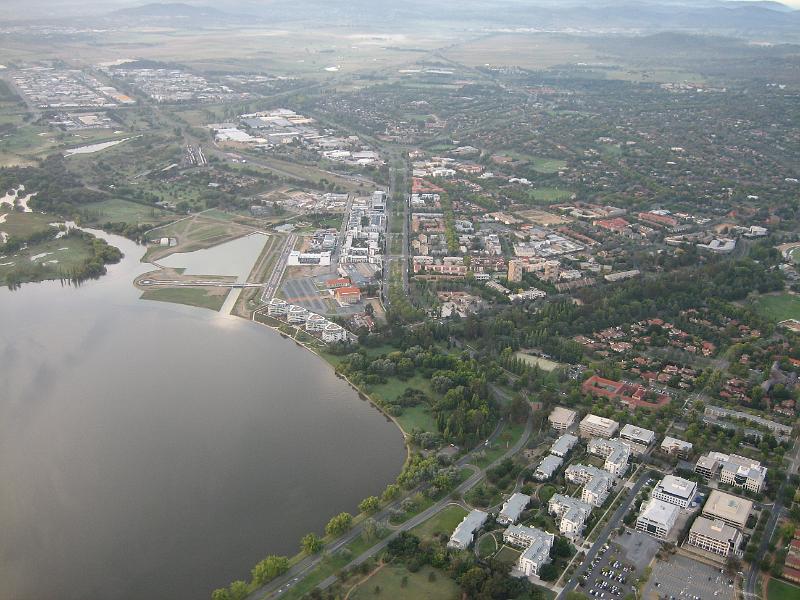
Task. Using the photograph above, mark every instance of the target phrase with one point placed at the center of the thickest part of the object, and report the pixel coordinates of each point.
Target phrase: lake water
(157, 451)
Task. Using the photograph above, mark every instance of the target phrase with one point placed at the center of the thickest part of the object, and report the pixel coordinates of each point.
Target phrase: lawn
(548, 165)
(55, 258)
(19, 224)
(417, 417)
(779, 307)
(510, 435)
(443, 522)
(508, 555)
(487, 546)
(117, 210)
(780, 590)
(550, 194)
(543, 363)
(397, 582)
(795, 255)
(200, 297)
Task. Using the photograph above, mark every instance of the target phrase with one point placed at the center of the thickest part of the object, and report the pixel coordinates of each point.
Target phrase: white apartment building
(512, 508)
(333, 333)
(464, 532)
(571, 512)
(675, 490)
(561, 418)
(277, 307)
(657, 518)
(537, 546)
(547, 468)
(594, 426)
(596, 490)
(638, 438)
(715, 536)
(563, 445)
(672, 445)
(315, 322)
(615, 451)
(296, 314)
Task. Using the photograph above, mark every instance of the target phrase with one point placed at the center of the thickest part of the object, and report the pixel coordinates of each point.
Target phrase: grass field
(118, 210)
(443, 522)
(780, 590)
(795, 255)
(487, 546)
(417, 417)
(543, 363)
(550, 194)
(418, 586)
(508, 554)
(778, 307)
(17, 224)
(55, 257)
(200, 297)
(510, 435)
(548, 165)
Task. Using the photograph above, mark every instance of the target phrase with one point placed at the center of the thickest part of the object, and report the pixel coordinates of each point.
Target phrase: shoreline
(362, 394)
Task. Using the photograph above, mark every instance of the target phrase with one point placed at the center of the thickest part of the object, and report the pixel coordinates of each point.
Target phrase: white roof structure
(660, 512)
(637, 434)
(679, 488)
(731, 509)
(563, 445)
(513, 507)
(464, 531)
(547, 467)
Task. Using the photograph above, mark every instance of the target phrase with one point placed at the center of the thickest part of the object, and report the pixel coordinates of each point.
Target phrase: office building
(715, 536)
(676, 447)
(571, 512)
(675, 490)
(594, 426)
(730, 509)
(657, 518)
(562, 419)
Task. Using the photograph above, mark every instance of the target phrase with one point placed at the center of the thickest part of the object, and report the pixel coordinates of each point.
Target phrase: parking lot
(305, 293)
(681, 578)
(639, 548)
(609, 576)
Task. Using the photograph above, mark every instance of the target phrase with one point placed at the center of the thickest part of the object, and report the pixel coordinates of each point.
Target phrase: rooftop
(730, 508)
(677, 486)
(714, 529)
(637, 434)
(660, 512)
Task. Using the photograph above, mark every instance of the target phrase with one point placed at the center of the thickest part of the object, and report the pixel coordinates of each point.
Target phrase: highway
(274, 279)
(282, 584)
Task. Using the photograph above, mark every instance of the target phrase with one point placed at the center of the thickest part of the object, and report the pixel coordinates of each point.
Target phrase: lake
(150, 450)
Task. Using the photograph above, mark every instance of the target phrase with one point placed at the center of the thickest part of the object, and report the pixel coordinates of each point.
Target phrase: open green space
(508, 555)
(778, 307)
(444, 521)
(117, 210)
(550, 194)
(19, 224)
(794, 254)
(542, 363)
(548, 165)
(397, 582)
(511, 433)
(781, 590)
(417, 417)
(52, 259)
(487, 546)
(199, 297)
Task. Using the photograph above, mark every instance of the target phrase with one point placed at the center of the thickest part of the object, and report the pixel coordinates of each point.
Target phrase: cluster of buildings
(275, 128)
(313, 323)
(365, 231)
(169, 85)
(732, 469)
(534, 543)
(49, 87)
(719, 528)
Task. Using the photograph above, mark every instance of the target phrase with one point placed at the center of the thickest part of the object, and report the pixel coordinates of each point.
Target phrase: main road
(304, 568)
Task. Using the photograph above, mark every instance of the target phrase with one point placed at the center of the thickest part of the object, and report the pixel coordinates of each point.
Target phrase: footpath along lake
(150, 450)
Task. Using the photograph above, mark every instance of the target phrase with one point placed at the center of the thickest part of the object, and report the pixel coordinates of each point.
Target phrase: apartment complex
(596, 482)
(464, 533)
(674, 446)
(512, 508)
(616, 453)
(562, 419)
(537, 546)
(547, 468)
(563, 445)
(571, 512)
(594, 426)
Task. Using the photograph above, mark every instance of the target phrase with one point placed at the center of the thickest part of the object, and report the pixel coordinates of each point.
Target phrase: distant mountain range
(726, 16)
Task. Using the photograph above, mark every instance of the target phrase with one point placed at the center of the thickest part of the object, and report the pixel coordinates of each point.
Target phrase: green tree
(339, 524)
(269, 568)
(311, 543)
(239, 590)
(370, 505)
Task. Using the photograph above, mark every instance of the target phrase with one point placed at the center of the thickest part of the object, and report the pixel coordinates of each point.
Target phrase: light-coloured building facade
(733, 469)
(594, 426)
(564, 444)
(512, 508)
(674, 446)
(547, 468)
(277, 307)
(464, 533)
(715, 536)
(561, 418)
(571, 512)
(728, 508)
(333, 333)
(657, 519)
(675, 490)
(537, 544)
